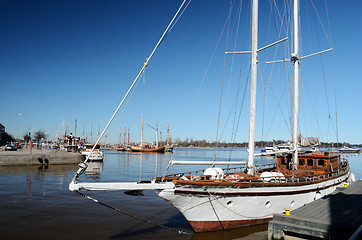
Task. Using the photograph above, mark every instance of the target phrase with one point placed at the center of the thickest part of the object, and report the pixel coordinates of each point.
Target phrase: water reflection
(93, 170)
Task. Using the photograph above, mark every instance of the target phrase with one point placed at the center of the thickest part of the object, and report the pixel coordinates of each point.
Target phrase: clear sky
(75, 59)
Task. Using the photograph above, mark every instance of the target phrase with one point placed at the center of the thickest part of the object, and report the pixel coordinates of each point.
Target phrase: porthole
(292, 204)
(229, 203)
(267, 204)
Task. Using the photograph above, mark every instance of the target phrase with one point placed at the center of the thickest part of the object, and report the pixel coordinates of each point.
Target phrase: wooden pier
(337, 216)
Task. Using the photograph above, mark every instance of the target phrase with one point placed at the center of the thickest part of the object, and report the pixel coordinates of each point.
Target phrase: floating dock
(336, 216)
(38, 157)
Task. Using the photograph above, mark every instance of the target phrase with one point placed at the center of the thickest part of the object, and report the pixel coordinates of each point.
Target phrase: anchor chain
(134, 216)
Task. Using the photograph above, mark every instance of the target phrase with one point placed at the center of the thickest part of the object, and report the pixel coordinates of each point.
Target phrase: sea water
(36, 203)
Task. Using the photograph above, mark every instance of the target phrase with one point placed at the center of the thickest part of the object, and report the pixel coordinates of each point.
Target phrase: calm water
(36, 203)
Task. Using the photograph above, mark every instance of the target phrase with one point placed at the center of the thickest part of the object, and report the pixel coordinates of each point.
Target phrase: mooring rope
(132, 215)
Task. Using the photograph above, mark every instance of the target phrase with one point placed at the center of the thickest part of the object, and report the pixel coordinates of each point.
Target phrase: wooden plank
(339, 213)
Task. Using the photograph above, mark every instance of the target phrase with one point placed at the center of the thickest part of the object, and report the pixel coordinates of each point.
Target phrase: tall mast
(168, 132)
(91, 132)
(254, 38)
(120, 136)
(124, 136)
(295, 59)
(161, 134)
(142, 132)
(156, 133)
(75, 128)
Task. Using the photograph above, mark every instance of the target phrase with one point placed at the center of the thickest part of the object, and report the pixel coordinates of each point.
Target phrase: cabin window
(320, 163)
(301, 162)
(310, 162)
(283, 161)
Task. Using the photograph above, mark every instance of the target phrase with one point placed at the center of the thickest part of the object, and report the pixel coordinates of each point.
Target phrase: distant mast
(254, 39)
(75, 128)
(91, 133)
(120, 136)
(295, 59)
(142, 132)
(168, 132)
(124, 136)
(156, 133)
(161, 134)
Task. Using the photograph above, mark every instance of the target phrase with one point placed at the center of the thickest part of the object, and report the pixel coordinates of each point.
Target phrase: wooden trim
(245, 184)
(258, 193)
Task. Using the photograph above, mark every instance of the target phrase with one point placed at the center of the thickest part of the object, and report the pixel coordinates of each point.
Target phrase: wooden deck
(337, 216)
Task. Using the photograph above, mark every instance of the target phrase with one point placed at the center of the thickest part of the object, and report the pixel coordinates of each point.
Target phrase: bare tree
(40, 135)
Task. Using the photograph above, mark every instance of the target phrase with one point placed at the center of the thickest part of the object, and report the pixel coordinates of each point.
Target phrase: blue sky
(76, 59)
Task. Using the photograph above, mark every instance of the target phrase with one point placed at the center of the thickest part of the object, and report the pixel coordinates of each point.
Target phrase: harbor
(258, 148)
(36, 202)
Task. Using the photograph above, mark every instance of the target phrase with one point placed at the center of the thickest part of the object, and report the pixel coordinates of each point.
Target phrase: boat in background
(346, 149)
(121, 147)
(148, 147)
(168, 147)
(96, 155)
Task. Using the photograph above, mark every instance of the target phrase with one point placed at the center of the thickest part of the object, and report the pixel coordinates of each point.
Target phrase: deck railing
(198, 174)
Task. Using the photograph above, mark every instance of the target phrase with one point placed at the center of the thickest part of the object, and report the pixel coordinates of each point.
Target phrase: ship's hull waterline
(217, 208)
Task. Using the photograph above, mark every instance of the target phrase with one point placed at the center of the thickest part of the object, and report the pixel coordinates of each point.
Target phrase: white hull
(216, 208)
(95, 156)
(349, 150)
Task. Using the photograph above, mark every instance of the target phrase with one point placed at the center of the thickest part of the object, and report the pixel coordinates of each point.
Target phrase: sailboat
(145, 147)
(218, 199)
(168, 147)
(121, 147)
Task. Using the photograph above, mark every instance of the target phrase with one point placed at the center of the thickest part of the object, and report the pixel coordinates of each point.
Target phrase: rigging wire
(329, 119)
(204, 77)
(239, 81)
(224, 65)
(323, 74)
(122, 110)
(222, 82)
(320, 21)
(236, 119)
(80, 169)
(334, 73)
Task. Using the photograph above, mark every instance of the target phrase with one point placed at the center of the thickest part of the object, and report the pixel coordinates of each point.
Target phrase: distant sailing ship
(146, 147)
(218, 199)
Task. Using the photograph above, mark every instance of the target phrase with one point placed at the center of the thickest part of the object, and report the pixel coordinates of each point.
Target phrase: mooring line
(134, 216)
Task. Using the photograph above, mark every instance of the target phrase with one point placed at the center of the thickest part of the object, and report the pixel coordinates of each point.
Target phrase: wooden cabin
(313, 163)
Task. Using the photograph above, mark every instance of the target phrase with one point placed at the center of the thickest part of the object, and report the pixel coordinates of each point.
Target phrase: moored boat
(230, 198)
(96, 155)
(224, 198)
(349, 150)
(147, 148)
